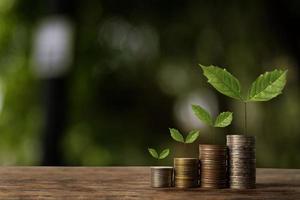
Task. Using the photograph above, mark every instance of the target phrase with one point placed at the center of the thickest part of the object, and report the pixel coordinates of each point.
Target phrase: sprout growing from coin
(191, 137)
(158, 156)
(266, 87)
(222, 120)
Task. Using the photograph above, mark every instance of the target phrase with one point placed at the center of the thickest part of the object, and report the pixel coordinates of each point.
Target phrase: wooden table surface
(130, 183)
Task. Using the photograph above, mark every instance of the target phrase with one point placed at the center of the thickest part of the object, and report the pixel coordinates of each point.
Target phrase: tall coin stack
(213, 162)
(186, 172)
(161, 177)
(242, 162)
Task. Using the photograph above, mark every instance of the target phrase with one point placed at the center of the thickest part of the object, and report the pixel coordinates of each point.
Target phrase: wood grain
(130, 183)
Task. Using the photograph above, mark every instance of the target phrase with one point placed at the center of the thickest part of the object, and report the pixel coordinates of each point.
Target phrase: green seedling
(266, 87)
(190, 138)
(222, 120)
(160, 156)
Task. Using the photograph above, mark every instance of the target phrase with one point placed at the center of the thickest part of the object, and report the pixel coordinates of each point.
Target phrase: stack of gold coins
(161, 177)
(213, 162)
(186, 172)
(242, 161)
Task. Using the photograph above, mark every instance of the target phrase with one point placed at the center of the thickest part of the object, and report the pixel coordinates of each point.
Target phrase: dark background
(130, 71)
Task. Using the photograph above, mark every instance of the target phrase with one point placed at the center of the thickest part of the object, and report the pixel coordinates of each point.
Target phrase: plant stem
(245, 120)
(184, 150)
(212, 134)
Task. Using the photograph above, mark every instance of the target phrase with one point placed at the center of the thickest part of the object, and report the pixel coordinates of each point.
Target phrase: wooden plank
(130, 183)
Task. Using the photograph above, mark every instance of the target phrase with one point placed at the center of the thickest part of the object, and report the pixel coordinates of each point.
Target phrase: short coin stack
(161, 177)
(242, 162)
(213, 162)
(186, 172)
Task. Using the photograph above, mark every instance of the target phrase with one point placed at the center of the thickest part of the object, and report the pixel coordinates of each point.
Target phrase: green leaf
(192, 136)
(267, 86)
(224, 119)
(153, 153)
(164, 154)
(176, 135)
(202, 114)
(223, 81)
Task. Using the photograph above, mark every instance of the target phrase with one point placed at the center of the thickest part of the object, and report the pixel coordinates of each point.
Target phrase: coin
(161, 176)
(186, 172)
(241, 161)
(213, 164)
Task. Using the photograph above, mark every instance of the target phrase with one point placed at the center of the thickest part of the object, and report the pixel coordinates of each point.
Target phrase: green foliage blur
(135, 74)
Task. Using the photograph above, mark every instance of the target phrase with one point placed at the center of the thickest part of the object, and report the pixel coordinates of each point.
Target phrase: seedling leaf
(192, 136)
(153, 153)
(202, 114)
(176, 135)
(267, 85)
(224, 119)
(222, 81)
(164, 154)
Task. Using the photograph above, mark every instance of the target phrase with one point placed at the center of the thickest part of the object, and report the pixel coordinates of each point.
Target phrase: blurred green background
(131, 73)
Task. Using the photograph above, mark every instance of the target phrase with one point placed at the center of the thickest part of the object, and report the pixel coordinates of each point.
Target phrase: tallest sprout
(266, 87)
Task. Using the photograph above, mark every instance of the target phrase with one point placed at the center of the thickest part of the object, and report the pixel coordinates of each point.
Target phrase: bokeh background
(98, 82)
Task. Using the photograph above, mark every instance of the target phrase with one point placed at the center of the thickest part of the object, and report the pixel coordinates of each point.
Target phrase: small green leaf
(192, 136)
(176, 135)
(223, 81)
(164, 154)
(202, 114)
(153, 153)
(267, 86)
(224, 119)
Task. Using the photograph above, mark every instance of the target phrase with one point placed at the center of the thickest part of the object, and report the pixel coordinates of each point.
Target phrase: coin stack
(186, 172)
(242, 162)
(161, 177)
(213, 162)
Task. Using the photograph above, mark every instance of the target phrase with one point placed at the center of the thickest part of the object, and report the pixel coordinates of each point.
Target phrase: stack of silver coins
(213, 161)
(186, 171)
(242, 161)
(161, 177)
